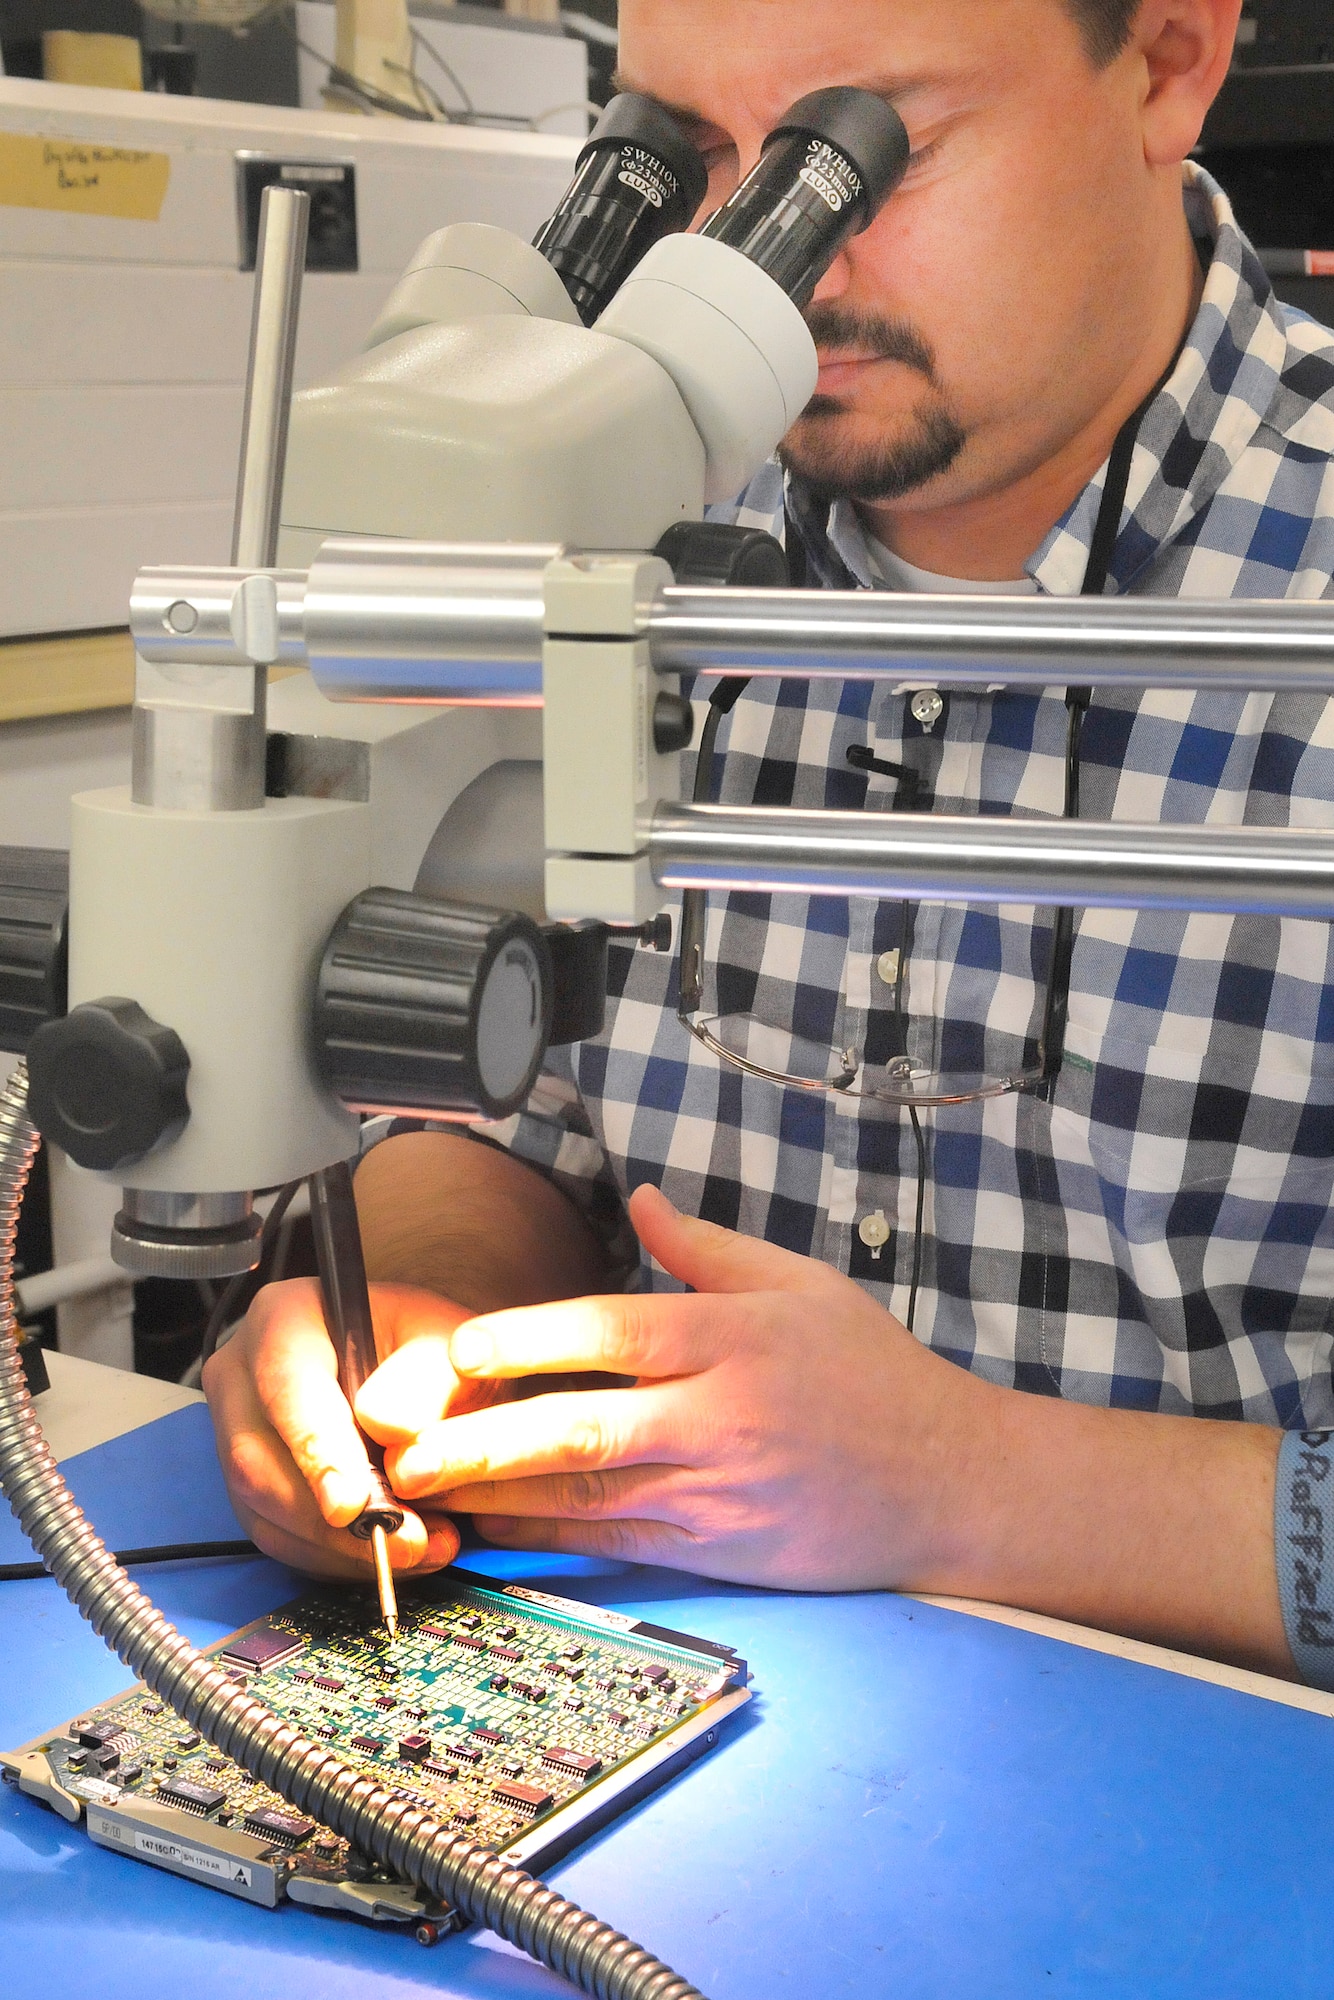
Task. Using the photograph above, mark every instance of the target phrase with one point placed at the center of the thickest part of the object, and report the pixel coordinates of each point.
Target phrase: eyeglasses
(738, 1039)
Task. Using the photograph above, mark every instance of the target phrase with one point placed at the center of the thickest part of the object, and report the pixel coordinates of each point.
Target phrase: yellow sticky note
(77, 177)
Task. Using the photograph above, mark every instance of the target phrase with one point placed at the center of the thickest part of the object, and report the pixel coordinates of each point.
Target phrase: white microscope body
(481, 412)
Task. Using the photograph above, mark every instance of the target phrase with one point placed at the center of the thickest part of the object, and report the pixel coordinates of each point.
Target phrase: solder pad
(521, 1719)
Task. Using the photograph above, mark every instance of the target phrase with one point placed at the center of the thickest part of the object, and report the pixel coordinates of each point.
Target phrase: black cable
(163, 1552)
(231, 1292)
(863, 758)
(920, 1136)
(694, 901)
(467, 114)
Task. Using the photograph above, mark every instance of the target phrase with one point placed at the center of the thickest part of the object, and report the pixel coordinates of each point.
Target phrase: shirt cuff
(1304, 1549)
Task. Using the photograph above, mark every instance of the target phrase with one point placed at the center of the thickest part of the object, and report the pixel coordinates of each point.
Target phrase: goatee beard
(888, 471)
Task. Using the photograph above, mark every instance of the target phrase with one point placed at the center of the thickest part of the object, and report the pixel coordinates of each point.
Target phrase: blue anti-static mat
(919, 1805)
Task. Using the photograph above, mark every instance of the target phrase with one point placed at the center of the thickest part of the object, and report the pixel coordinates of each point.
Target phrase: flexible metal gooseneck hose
(399, 1836)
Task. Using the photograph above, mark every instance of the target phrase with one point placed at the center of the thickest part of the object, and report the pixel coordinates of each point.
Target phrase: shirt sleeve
(553, 1134)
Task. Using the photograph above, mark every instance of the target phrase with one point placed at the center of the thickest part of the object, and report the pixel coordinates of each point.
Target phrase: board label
(77, 178)
(174, 1853)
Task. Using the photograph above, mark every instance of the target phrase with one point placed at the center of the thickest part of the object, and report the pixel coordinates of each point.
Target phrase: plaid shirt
(1160, 1235)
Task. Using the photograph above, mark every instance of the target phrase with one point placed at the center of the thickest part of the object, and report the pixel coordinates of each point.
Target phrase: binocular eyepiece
(638, 178)
(826, 170)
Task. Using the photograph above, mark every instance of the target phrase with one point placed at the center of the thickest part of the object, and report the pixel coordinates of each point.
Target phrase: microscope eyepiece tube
(826, 170)
(638, 178)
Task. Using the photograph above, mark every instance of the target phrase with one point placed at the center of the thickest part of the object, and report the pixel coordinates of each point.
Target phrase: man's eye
(922, 156)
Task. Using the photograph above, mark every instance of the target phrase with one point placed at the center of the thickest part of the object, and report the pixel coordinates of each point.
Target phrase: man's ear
(1185, 49)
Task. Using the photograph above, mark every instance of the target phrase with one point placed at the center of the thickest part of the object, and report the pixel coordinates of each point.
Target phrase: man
(1089, 1263)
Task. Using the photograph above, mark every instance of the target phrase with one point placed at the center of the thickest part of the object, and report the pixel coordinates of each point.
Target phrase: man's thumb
(712, 1259)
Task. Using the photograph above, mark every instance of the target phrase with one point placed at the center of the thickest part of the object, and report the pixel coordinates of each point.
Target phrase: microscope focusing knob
(107, 1083)
(425, 1006)
(34, 953)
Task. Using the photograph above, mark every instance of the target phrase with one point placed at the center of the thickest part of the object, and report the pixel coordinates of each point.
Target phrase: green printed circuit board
(520, 1719)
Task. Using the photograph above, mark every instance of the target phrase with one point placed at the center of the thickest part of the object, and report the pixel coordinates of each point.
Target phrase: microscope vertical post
(199, 733)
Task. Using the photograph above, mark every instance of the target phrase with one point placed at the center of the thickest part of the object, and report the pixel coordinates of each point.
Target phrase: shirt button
(927, 707)
(887, 967)
(874, 1229)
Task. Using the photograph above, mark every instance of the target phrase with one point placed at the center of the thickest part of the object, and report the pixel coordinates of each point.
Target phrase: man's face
(998, 301)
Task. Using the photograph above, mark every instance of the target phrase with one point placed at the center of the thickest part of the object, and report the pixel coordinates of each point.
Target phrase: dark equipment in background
(1270, 141)
(258, 63)
(257, 66)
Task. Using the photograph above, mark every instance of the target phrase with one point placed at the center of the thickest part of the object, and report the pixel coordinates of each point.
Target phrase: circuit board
(521, 1719)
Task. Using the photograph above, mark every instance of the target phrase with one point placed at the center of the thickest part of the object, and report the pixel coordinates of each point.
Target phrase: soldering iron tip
(384, 1579)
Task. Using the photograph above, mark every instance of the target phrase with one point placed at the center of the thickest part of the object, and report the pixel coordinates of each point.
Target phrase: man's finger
(621, 1541)
(335, 1554)
(417, 1385)
(412, 1387)
(650, 1492)
(655, 1335)
(590, 1432)
(263, 1479)
(310, 1414)
(296, 1376)
(711, 1259)
(285, 1350)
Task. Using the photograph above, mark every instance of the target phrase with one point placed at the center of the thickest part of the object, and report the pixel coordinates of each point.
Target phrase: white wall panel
(108, 446)
(70, 569)
(122, 344)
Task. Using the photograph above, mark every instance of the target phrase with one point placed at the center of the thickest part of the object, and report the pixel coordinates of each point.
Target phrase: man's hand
(782, 1428)
(294, 1462)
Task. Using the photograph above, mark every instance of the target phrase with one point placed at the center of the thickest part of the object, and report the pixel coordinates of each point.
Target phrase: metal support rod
(199, 744)
(438, 622)
(1157, 642)
(284, 219)
(1269, 870)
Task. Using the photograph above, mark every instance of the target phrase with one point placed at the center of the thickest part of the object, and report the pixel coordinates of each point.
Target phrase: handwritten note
(78, 178)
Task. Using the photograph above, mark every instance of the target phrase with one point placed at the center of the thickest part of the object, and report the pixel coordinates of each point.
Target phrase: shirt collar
(1202, 421)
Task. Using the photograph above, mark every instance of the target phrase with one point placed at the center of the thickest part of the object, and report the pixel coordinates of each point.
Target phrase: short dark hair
(1105, 26)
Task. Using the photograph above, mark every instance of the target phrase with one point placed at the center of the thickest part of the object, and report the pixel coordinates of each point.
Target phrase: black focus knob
(34, 906)
(425, 1006)
(716, 555)
(107, 1083)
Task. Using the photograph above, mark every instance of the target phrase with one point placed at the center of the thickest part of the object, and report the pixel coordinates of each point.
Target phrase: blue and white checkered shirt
(1160, 1235)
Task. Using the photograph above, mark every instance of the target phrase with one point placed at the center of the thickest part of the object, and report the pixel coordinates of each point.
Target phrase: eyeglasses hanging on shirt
(739, 1039)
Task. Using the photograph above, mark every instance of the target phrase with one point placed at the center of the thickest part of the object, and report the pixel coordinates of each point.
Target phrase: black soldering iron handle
(347, 1313)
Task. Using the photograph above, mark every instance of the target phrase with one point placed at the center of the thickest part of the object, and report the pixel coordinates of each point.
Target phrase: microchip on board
(96, 1735)
(574, 1763)
(266, 1646)
(528, 1798)
(195, 1798)
(269, 1823)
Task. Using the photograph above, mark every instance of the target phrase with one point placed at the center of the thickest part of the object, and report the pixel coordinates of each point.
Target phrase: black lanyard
(1077, 699)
